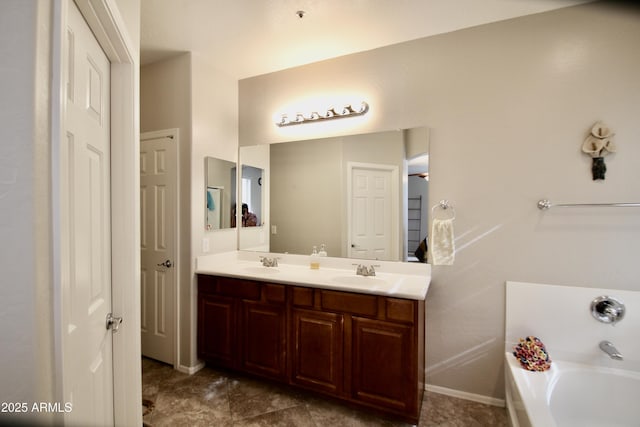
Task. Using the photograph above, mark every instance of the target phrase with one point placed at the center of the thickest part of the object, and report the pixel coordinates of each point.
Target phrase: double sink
(403, 280)
(342, 278)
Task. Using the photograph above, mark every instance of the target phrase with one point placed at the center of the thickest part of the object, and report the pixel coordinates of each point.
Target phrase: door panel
(86, 218)
(371, 214)
(158, 192)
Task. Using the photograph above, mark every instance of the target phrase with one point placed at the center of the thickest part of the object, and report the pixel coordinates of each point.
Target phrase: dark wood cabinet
(242, 325)
(317, 349)
(367, 350)
(263, 335)
(384, 364)
(217, 330)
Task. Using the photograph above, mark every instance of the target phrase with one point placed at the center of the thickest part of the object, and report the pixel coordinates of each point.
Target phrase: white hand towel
(442, 242)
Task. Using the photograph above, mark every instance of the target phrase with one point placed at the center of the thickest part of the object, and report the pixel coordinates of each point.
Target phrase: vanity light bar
(347, 111)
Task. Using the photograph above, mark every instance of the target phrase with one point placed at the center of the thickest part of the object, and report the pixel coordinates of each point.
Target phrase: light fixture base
(330, 114)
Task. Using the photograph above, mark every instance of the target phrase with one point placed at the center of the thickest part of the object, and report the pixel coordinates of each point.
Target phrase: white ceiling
(244, 38)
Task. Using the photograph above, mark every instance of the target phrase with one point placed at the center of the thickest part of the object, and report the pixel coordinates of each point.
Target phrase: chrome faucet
(269, 262)
(608, 348)
(363, 270)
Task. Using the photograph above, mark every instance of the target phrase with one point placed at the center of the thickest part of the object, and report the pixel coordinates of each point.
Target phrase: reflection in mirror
(417, 207)
(362, 196)
(220, 193)
(251, 196)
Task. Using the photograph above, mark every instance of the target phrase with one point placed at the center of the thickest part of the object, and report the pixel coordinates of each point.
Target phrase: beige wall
(165, 103)
(214, 133)
(508, 106)
(187, 93)
(27, 356)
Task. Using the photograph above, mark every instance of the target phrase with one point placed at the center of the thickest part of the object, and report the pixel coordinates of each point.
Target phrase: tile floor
(219, 398)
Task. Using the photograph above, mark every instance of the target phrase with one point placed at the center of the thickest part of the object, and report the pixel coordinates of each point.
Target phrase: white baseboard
(190, 369)
(465, 395)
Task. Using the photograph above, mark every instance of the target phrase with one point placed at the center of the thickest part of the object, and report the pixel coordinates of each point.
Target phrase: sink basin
(260, 270)
(359, 280)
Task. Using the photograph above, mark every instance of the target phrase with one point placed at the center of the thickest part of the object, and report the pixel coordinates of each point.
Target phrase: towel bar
(545, 204)
(444, 205)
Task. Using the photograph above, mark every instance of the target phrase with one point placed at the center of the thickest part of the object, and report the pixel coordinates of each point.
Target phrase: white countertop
(395, 279)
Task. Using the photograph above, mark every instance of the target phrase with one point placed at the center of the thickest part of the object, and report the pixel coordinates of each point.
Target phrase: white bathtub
(572, 394)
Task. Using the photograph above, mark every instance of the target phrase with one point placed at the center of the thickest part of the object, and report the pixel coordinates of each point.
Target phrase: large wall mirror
(220, 193)
(362, 196)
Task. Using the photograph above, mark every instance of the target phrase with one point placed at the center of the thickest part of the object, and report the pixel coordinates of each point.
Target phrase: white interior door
(86, 233)
(372, 216)
(158, 225)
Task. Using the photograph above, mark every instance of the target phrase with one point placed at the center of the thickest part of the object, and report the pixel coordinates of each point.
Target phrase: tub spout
(609, 348)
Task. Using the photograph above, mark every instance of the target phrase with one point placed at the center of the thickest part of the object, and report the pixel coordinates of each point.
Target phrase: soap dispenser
(323, 251)
(314, 262)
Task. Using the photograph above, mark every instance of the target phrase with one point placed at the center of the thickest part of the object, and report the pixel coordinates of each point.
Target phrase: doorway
(159, 244)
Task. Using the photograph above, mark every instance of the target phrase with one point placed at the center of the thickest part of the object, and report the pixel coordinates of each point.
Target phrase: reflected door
(158, 202)
(371, 219)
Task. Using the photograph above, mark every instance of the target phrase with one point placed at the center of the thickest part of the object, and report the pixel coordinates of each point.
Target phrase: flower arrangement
(532, 354)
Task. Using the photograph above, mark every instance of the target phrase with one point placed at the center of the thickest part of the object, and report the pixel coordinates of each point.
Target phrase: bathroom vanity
(358, 343)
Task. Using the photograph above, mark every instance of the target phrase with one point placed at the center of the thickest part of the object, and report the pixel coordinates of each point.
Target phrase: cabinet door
(317, 347)
(264, 339)
(217, 330)
(384, 365)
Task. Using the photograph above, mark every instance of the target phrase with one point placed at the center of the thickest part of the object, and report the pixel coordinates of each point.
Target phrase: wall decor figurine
(598, 144)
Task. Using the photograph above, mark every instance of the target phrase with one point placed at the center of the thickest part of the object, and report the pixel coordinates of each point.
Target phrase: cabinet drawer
(364, 305)
(238, 288)
(274, 293)
(302, 297)
(400, 310)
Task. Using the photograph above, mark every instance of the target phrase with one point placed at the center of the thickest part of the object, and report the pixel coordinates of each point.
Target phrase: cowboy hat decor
(598, 144)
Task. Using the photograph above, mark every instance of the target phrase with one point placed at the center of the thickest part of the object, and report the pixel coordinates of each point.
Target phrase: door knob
(113, 322)
(167, 264)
